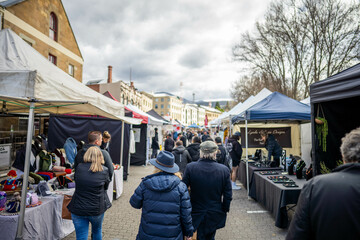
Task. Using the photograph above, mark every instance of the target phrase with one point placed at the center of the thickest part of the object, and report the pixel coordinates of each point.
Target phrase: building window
(156, 99)
(162, 99)
(71, 70)
(156, 106)
(162, 105)
(169, 106)
(53, 28)
(52, 58)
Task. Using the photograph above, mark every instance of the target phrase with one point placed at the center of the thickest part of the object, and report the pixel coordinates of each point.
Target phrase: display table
(241, 172)
(274, 196)
(118, 182)
(41, 222)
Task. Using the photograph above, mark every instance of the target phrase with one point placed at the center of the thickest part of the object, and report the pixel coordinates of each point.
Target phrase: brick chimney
(132, 84)
(109, 80)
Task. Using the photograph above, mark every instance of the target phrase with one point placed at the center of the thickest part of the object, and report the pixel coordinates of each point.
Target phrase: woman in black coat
(90, 200)
(194, 148)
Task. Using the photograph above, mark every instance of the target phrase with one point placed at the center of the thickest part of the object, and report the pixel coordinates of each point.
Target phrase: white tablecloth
(41, 222)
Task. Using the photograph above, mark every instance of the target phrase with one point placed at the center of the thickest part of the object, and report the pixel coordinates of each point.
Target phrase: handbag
(66, 214)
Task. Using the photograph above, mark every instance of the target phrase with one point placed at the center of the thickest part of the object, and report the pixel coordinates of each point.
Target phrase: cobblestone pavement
(122, 221)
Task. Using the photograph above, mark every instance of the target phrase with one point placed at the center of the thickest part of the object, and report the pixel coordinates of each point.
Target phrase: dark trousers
(154, 153)
(203, 234)
(275, 162)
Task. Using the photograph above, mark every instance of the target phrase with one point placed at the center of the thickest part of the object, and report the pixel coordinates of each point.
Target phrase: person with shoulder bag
(90, 200)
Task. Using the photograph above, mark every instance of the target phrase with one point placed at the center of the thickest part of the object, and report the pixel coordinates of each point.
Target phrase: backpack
(70, 147)
(228, 159)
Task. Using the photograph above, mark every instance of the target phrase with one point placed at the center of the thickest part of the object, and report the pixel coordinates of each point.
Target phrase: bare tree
(300, 42)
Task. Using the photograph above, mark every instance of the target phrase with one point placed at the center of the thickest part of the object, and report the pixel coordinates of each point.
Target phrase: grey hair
(211, 156)
(350, 147)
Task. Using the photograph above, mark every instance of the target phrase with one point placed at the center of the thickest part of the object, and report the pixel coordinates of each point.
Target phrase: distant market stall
(143, 134)
(333, 101)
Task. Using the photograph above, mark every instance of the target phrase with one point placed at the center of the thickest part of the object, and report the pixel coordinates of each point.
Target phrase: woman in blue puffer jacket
(165, 202)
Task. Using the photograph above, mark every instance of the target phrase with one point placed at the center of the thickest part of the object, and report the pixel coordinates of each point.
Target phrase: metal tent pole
(247, 158)
(122, 143)
(131, 127)
(20, 227)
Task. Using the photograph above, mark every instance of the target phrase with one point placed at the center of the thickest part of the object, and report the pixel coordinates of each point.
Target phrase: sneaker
(234, 187)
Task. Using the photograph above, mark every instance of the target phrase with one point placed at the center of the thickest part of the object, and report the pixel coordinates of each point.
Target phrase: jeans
(154, 153)
(81, 224)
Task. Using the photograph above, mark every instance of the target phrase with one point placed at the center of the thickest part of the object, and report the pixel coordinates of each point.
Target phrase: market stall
(274, 108)
(29, 83)
(333, 100)
(143, 134)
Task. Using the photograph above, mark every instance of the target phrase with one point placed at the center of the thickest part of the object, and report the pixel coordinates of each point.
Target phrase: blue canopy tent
(275, 107)
(193, 126)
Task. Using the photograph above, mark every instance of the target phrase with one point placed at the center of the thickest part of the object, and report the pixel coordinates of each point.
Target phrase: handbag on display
(309, 173)
(43, 189)
(299, 169)
(66, 214)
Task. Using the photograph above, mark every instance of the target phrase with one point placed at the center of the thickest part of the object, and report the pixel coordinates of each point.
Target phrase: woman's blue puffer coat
(166, 207)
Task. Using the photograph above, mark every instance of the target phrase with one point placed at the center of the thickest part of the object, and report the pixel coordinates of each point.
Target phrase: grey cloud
(194, 59)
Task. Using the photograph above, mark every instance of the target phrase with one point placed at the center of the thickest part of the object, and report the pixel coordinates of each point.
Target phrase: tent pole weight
(20, 227)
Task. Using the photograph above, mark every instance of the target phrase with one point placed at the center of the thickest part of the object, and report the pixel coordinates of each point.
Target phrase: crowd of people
(190, 190)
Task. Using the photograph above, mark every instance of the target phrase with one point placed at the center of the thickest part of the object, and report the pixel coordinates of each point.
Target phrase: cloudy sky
(164, 42)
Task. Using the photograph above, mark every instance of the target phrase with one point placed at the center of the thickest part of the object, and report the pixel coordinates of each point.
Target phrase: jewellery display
(269, 173)
(280, 179)
(290, 184)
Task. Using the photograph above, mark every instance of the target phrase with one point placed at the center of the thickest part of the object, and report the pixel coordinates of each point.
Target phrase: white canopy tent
(151, 120)
(29, 83)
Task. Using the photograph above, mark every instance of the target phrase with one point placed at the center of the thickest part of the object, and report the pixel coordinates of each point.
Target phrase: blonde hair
(178, 174)
(106, 135)
(95, 156)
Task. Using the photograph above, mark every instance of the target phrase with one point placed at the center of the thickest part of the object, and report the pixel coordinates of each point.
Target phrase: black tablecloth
(274, 196)
(241, 172)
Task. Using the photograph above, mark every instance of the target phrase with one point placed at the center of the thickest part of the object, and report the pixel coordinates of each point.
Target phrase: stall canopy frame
(30, 83)
(337, 95)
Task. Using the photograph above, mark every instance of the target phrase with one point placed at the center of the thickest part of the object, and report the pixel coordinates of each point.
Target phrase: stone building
(167, 105)
(45, 26)
(121, 92)
(146, 102)
(190, 115)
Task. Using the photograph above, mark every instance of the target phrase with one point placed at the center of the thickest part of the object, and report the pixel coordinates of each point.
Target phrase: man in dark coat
(221, 153)
(210, 191)
(194, 149)
(169, 143)
(155, 144)
(329, 204)
(204, 136)
(95, 139)
(273, 148)
(182, 156)
(182, 138)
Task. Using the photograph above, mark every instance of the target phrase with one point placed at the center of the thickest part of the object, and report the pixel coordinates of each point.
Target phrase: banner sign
(5, 160)
(282, 135)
